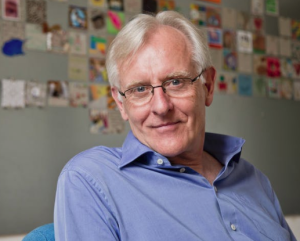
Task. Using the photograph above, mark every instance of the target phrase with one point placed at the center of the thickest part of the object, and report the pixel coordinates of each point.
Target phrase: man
(169, 181)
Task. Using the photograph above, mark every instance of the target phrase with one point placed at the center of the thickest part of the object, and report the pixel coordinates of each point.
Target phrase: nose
(161, 103)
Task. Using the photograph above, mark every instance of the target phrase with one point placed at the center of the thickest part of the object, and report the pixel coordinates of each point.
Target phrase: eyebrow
(178, 74)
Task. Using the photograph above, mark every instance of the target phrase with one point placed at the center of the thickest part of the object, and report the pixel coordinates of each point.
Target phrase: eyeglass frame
(162, 85)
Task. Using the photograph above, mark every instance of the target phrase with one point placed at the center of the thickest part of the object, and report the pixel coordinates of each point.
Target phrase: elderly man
(169, 181)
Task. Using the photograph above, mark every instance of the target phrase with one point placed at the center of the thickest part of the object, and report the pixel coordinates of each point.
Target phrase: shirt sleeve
(82, 211)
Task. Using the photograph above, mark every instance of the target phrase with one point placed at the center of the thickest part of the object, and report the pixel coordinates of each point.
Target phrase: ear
(210, 75)
(115, 95)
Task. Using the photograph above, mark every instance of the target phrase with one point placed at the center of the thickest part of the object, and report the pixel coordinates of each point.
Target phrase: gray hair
(132, 37)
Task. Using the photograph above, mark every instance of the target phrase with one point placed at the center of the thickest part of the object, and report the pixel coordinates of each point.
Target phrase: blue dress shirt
(135, 194)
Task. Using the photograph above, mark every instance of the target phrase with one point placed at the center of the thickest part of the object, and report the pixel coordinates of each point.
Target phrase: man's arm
(81, 210)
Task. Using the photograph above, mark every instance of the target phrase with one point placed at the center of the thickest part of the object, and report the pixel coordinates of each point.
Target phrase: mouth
(166, 126)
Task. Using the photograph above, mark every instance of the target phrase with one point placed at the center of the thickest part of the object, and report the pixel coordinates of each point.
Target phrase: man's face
(171, 126)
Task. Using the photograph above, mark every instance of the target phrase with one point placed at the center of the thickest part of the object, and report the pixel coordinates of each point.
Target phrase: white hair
(132, 37)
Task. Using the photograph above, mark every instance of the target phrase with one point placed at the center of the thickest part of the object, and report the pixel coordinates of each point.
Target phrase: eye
(175, 82)
(140, 89)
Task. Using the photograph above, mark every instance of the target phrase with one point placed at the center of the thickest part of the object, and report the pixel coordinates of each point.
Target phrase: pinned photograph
(11, 9)
(78, 17)
(198, 14)
(36, 11)
(96, 20)
(272, 7)
(244, 41)
(78, 43)
(230, 60)
(13, 93)
(286, 89)
(98, 46)
(97, 71)
(213, 17)
(79, 96)
(259, 64)
(115, 5)
(259, 86)
(274, 88)
(245, 85)
(58, 93)
(36, 93)
(214, 37)
(114, 22)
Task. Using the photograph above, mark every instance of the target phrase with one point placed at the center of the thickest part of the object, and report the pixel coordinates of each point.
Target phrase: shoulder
(94, 161)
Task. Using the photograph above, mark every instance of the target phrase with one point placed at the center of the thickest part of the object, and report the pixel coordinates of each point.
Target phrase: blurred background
(55, 96)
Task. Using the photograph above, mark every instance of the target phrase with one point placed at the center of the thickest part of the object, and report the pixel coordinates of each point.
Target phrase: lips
(165, 125)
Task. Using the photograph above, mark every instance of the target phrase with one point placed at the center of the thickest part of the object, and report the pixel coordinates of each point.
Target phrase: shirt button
(160, 161)
(216, 190)
(233, 227)
(182, 170)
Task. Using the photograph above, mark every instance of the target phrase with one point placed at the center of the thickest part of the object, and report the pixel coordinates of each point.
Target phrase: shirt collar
(224, 148)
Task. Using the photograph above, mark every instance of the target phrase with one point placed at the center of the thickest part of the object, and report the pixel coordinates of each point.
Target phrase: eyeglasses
(179, 87)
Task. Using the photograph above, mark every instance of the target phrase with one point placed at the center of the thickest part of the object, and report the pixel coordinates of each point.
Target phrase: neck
(205, 164)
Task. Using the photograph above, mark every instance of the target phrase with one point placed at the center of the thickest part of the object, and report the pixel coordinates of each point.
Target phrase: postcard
(226, 82)
(274, 88)
(115, 5)
(229, 39)
(198, 14)
(58, 42)
(295, 48)
(257, 7)
(13, 93)
(230, 60)
(79, 96)
(229, 16)
(296, 66)
(285, 47)
(245, 63)
(78, 43)
(244, 41)
(11, 10)
(286, 68)
(213, 17)
(295, 29)
(98, 3)
(35, 38)
(259, 64)
(286, 89)
(259, 43)
(133, 6)
(243, 21)
(97, 70)
(259, 86)
(285, 26)
(12, 30)
(214, 37)
(165, 5)
(258, 24)
(97, 20)
(272, 45)
(36, 93)
(36, 11)
(77, 68)
(114, 22)
(217, 58)
(245, 85)
(98, 45)
(272, 7)
(273, 67)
